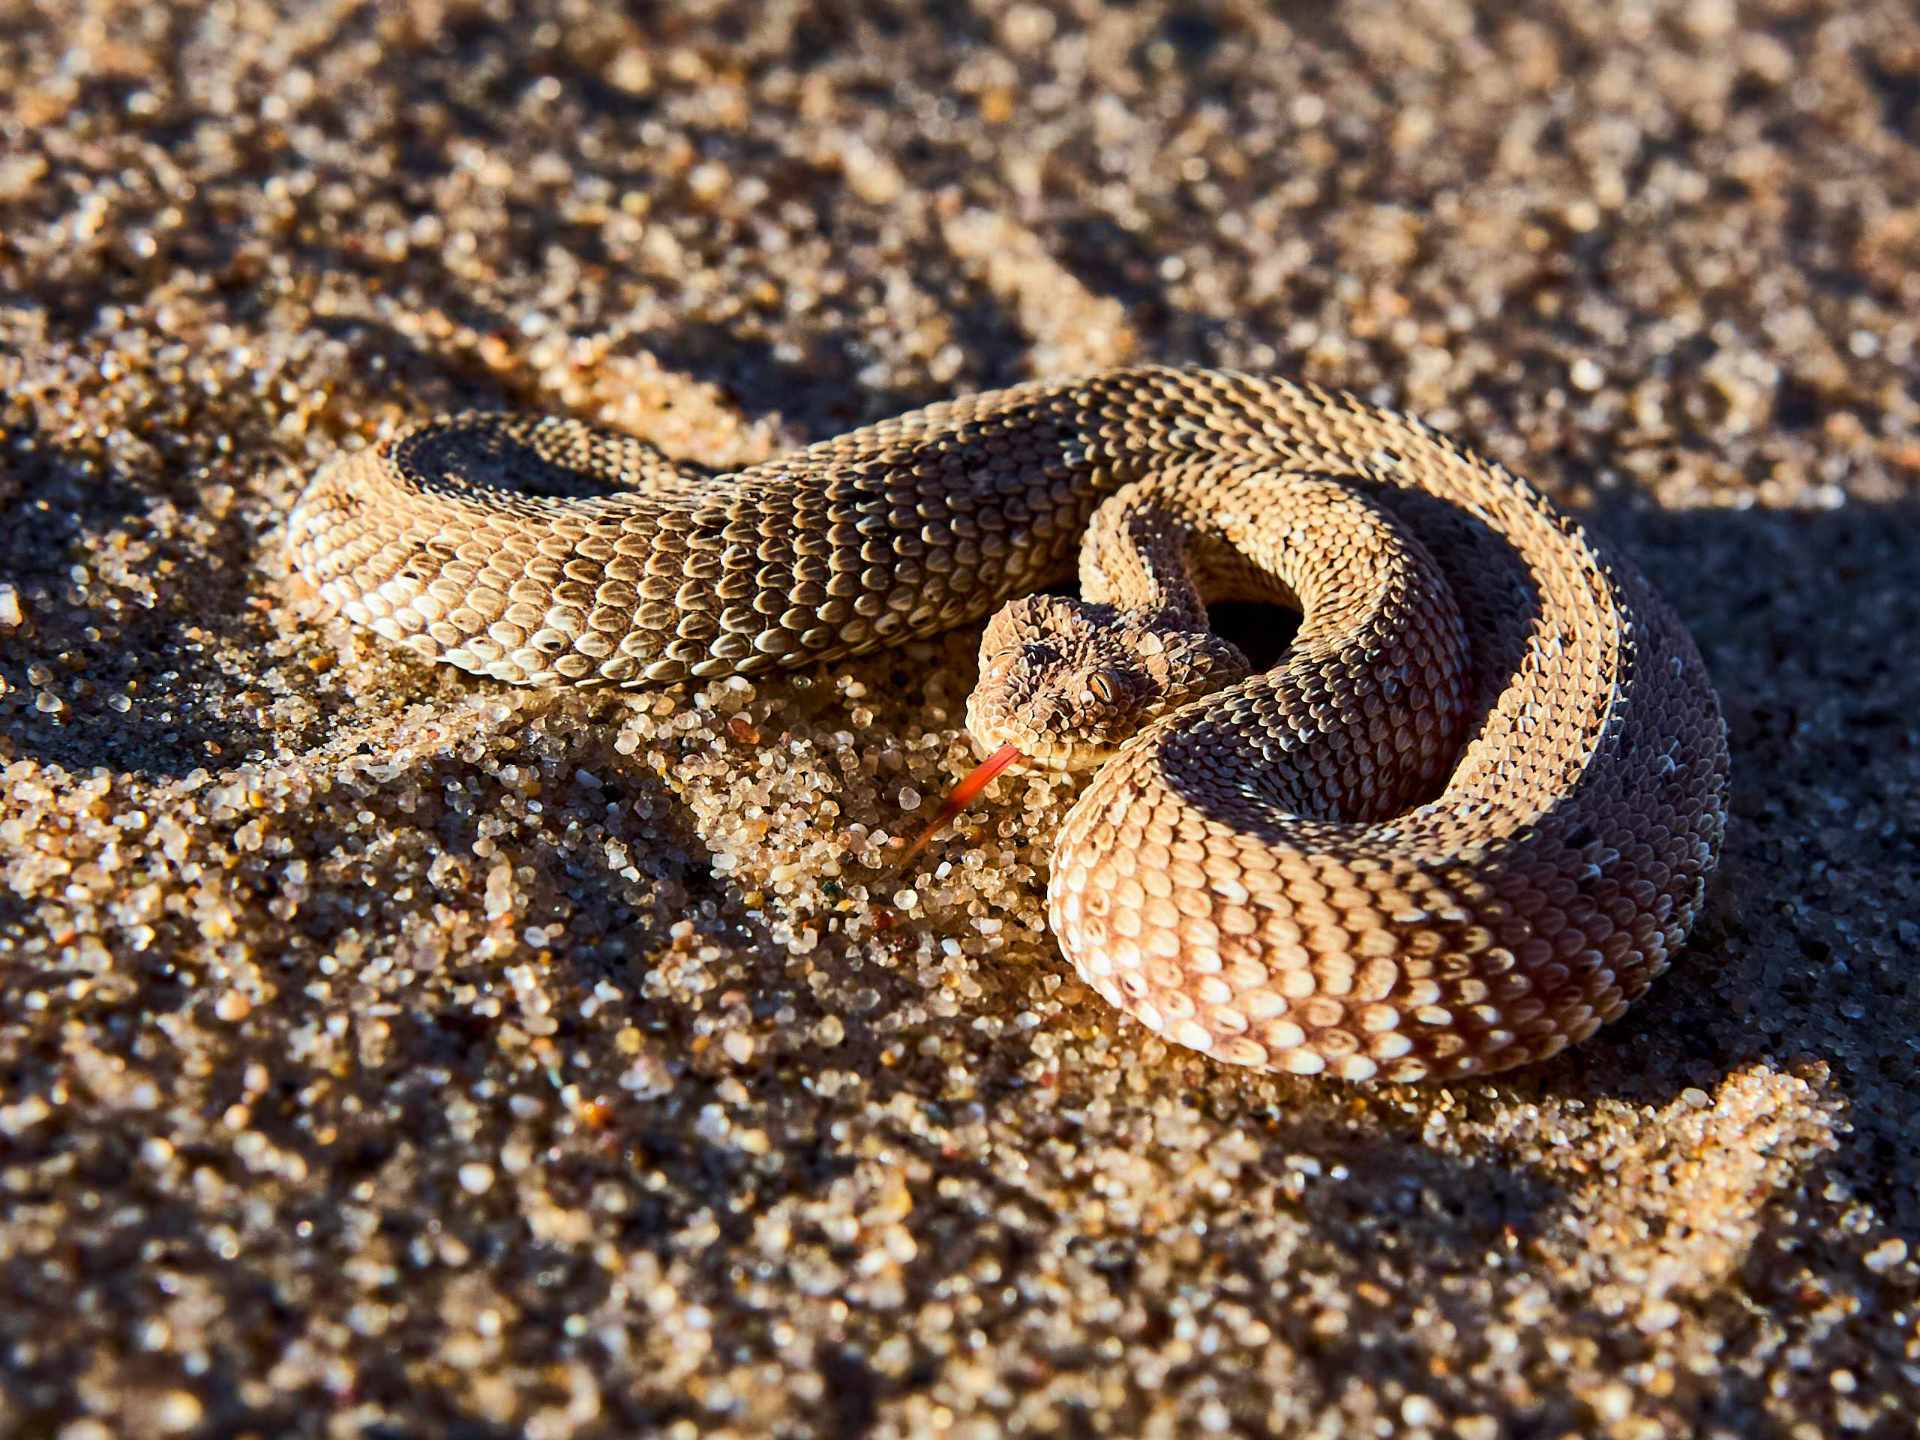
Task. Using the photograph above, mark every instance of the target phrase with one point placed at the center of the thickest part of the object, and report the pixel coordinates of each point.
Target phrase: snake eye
(1103, 689)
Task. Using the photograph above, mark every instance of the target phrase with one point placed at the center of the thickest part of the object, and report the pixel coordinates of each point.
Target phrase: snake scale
(1464, 820)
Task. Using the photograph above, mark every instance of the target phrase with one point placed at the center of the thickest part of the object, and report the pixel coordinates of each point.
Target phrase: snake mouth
(1072, 757)
(964, 794)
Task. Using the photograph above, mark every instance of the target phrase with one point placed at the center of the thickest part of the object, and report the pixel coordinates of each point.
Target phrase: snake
(1464, 819)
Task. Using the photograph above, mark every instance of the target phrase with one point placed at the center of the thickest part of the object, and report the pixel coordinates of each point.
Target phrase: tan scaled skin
(1464, 821)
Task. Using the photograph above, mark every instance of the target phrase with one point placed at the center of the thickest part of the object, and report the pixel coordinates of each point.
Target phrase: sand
(387, 1054)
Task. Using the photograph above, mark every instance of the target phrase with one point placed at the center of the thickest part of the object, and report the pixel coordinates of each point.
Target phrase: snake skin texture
(1465, 819)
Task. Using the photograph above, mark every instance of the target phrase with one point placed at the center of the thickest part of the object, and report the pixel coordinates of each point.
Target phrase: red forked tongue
(963, 795)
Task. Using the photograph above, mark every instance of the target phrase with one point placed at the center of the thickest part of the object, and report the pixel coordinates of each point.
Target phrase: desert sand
(386, 1053)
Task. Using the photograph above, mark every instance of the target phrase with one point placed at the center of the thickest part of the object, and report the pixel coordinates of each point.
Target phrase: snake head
(1068, 682)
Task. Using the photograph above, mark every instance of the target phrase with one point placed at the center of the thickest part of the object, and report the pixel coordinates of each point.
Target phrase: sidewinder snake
(1463, 821)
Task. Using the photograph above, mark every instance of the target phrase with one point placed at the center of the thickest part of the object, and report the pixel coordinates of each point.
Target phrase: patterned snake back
(1464, 821)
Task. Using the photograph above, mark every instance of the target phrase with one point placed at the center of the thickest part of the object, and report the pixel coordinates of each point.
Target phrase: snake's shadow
(1805, 953)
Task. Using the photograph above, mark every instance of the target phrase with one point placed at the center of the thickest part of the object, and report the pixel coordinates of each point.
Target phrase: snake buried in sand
(1464, 820)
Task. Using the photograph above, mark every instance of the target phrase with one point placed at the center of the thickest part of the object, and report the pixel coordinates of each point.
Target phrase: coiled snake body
(1465, 819)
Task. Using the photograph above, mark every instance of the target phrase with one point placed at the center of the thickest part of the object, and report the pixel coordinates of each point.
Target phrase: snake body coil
(1464, 821)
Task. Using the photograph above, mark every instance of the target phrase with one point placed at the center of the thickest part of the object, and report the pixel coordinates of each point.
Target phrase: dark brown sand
(385, 1054)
